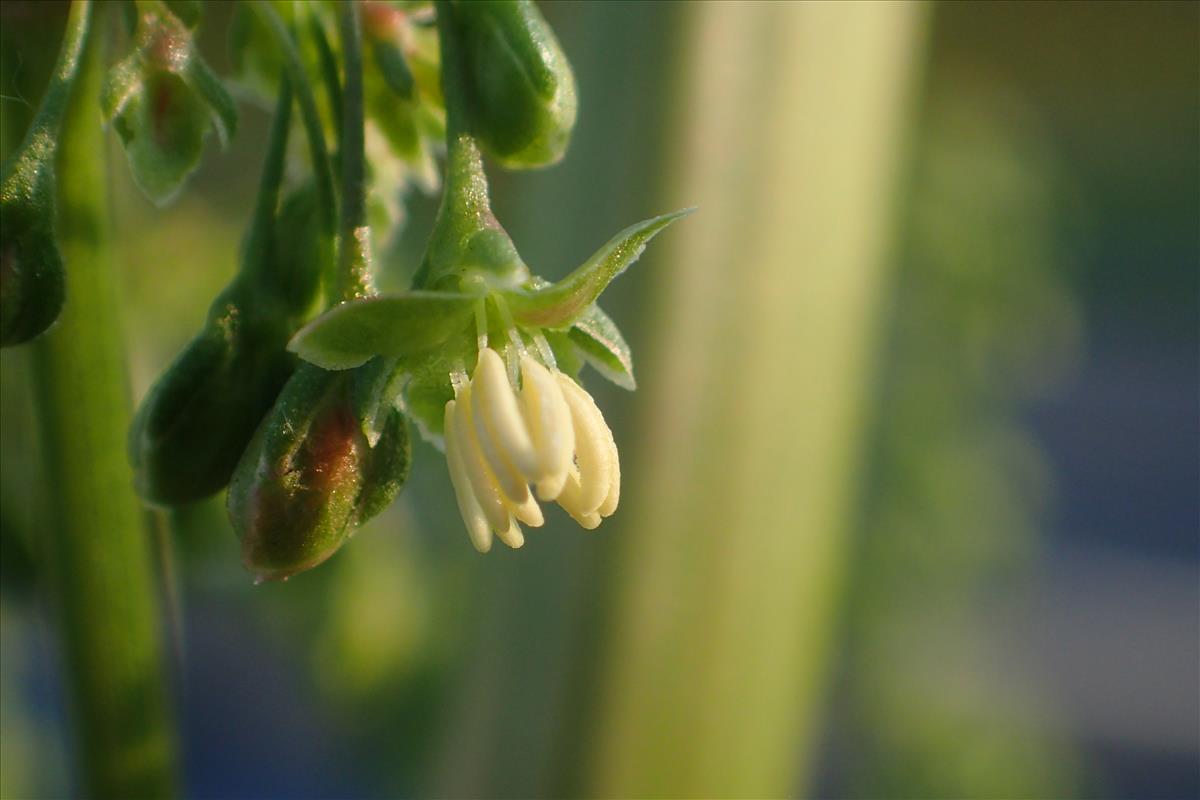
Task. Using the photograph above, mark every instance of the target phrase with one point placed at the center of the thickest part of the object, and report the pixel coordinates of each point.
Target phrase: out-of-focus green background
(911, 481)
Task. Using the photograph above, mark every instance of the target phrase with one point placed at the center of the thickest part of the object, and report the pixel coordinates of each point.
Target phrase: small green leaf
(352, 333)
(560, 304)
(601, 344)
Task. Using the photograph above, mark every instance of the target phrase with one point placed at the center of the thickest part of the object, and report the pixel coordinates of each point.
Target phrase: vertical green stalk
(354, 236)
(466, 206)
(309, 115)
(98, 554)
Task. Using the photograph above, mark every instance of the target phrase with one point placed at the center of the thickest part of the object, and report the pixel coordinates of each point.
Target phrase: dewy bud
(524, 91)
(309, 476)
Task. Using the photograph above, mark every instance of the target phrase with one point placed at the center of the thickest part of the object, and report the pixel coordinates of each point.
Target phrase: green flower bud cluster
(475, 301)
(310, 450)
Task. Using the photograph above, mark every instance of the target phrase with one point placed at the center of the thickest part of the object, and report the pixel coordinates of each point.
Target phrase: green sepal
(388, 469)
(352, 333)
(309, 476)
(523, 90)
(601, 344)
(162, 100)
(561, 304)
(373, 393)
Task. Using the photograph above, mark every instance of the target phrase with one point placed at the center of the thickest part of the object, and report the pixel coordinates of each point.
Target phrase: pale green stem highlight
(98, 561)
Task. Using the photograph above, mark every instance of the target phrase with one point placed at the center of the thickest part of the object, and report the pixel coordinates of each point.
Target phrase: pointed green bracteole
(560, 304)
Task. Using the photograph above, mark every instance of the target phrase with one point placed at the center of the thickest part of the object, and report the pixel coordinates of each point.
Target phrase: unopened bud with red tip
(310, 476)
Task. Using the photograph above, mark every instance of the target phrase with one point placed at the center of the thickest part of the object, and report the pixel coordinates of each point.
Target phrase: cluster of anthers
(549, 434)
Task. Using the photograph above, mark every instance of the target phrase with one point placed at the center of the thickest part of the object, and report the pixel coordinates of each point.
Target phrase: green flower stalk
(198, 417)
(99, 569)
(32, 283)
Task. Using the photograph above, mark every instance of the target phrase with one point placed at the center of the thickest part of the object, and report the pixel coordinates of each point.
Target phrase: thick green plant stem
(98, 554)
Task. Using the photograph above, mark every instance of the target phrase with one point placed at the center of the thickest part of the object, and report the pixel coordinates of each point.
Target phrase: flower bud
(309, 476)
(524, 91)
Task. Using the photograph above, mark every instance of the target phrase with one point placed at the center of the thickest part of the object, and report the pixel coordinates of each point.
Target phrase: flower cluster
(549, 434)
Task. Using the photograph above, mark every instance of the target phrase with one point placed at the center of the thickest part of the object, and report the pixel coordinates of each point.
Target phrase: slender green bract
(32, 283)
(560, 304)
(98, 559)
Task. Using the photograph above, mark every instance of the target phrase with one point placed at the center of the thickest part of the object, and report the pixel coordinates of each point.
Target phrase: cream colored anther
(593, 449)
(503, 435)
(483, 483)
(477, 525)
(571, 501)
(549, 422)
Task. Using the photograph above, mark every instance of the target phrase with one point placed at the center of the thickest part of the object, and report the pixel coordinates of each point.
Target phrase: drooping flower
(549, 436)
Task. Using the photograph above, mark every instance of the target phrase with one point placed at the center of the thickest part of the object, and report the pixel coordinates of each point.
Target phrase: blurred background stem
(98, 556)
(780, 284)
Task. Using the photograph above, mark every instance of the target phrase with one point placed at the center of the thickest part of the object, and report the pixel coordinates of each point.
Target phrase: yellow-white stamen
(477, 525)
(528, 512)
(613, 497)
(483, 483)
(550, 428)
(592, 445)
(504, 435)
(571, 501)
(511, 535)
